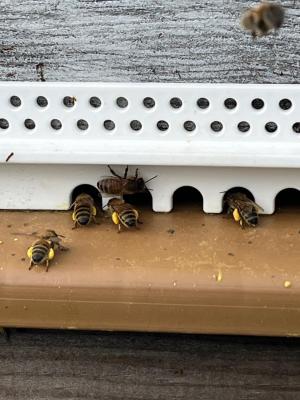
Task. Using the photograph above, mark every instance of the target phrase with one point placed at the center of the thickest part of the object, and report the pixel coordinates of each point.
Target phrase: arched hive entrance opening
(142, 201)
(236, 189)
(186, 198)
(287, 200)
(88, 189)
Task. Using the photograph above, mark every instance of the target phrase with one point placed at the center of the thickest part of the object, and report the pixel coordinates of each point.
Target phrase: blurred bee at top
(263, 18)
(84, 210)
(123, 214)
(244, 210)
(43, 250)
(118, 186)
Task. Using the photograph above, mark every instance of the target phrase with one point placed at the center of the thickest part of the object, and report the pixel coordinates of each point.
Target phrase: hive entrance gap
(140, 200)
(88, 189)
(287, 200)
(237, 189)
(187, 198)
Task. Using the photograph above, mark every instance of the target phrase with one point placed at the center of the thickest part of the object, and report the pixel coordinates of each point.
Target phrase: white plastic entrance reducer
(55, 137)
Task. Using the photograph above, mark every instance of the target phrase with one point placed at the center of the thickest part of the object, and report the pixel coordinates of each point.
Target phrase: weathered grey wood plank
(109, 366)
(143, 40)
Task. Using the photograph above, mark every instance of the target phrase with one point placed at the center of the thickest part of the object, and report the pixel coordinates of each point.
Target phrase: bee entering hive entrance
(142, 200)
(187, 198)
(87, 189)
(287, 200)
(235, 190)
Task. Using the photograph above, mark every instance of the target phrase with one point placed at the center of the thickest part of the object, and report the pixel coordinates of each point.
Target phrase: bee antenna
(153, 177)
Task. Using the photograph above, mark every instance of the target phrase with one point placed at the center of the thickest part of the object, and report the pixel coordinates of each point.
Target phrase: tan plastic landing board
(181, 272)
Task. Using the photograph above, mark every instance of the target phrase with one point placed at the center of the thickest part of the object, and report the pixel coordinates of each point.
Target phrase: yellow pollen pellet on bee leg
(115, 218)
(287, 284)
(236, 215)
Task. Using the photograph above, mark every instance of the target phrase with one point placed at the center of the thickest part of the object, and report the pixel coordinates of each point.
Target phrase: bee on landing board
(84, 210)
(123, 214)
(244, 210)
(263, 18)
(117, 185)
(43, 250)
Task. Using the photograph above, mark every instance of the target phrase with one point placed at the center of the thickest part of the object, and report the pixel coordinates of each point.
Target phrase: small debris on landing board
(218, 277)
(9, 157)
(171, 231)
(231, 254)
(287, 284)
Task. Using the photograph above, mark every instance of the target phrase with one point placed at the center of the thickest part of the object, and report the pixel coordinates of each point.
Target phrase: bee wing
(256, 206)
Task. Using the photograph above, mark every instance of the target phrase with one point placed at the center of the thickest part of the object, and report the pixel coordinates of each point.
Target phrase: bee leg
(113, 172)
(75, 225)
(136, 173)
(62, 248)
(47, 265)
(31, 265)
(126, 172)
(96, 222)
(241, 223)
(140, 222)
(119, 228)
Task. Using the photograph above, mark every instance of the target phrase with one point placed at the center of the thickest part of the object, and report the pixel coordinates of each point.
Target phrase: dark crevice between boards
(237, 189)
(88, 189)
(187, 198)
(287, 200)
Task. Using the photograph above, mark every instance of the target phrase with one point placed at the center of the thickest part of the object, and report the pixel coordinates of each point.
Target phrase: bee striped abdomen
(250, 218)
(83, 214)
(111, 186)
(128, 218)
(40, 253)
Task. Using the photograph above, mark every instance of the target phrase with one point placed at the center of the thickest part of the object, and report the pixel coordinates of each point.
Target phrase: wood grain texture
(50, 365)
(143, 40)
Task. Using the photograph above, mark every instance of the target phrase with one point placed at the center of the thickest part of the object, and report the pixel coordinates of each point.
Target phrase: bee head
(141, 185)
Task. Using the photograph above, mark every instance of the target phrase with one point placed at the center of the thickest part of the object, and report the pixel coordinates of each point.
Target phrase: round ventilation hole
(29, 123)
(285, 104)
(243, 126)
(122, 102)
(149, 102)
(42, 101)
(69, 101)
(189, 126)
(230, 103)
(296, 127)
(176, 102)
(56, 124)
(109, 125)
(162, 125)
(4, 123)
(203, 103)
(216, 126)
(15, 101)
(135, 125)
(95, 102)
(257, 104)
(271, 127)
(82, 124)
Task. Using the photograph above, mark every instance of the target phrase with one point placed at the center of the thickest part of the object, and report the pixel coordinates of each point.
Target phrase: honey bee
(117, 185)
(43, 250)
(84, 210)
(244, 210)
(123, 214)
(262, 19)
